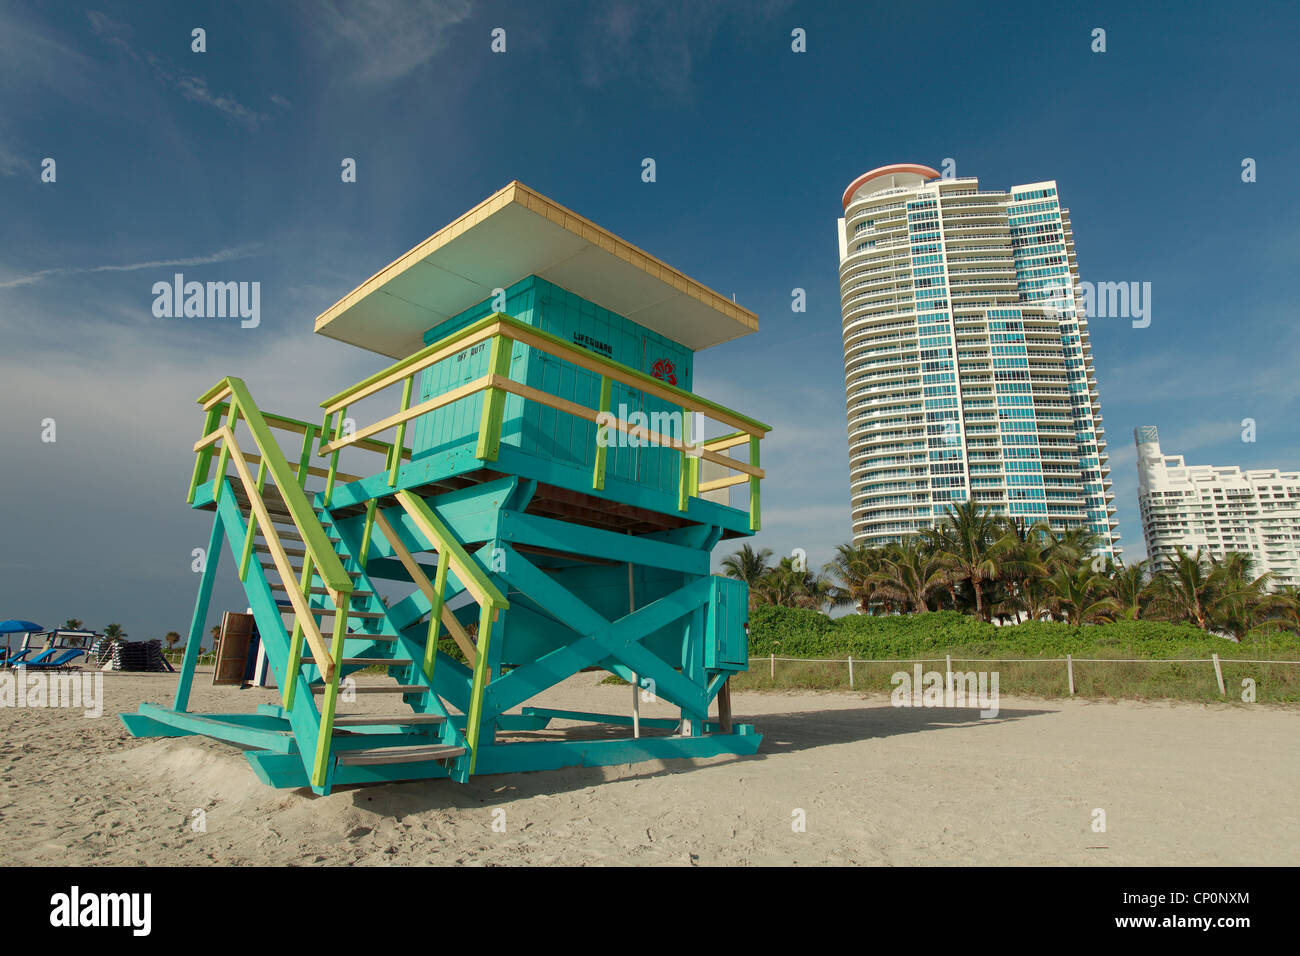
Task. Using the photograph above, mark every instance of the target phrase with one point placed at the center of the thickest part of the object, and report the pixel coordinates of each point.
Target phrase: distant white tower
(1218, 509)
(967, 365)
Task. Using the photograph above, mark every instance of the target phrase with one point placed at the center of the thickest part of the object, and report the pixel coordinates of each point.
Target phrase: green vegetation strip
(1135, 659)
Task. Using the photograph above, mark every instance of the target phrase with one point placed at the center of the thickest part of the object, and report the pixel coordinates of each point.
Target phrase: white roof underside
(509, 236)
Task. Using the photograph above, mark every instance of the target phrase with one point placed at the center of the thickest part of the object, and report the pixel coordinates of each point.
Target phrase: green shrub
(797, 632)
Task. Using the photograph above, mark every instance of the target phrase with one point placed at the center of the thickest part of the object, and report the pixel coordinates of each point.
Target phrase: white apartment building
(968, 370)
(1189, 507)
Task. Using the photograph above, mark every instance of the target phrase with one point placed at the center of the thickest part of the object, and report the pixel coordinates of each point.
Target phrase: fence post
(850, 672)
(947, 687)
(1069, 670)
(1218, 675)
(773, 667)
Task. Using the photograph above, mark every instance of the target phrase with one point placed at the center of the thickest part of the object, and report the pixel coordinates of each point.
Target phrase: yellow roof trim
(579, 226)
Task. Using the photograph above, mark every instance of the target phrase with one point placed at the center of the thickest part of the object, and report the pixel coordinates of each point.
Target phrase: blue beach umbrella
(15, 626)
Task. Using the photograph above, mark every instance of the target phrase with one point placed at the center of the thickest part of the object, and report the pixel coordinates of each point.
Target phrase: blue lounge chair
(42, 656)
(17, 658)
(62, 662)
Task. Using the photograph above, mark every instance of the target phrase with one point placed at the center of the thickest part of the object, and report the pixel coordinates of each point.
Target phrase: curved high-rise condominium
(967, 366)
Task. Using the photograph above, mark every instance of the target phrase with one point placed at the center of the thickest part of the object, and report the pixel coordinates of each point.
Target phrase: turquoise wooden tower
(528, 492)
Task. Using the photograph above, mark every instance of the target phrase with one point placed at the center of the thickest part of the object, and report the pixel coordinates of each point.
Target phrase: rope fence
(1069, 660)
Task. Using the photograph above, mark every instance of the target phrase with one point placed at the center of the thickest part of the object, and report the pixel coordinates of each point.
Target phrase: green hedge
(797, 632)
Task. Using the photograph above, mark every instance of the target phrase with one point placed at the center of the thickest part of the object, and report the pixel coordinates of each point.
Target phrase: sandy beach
(1179, 784)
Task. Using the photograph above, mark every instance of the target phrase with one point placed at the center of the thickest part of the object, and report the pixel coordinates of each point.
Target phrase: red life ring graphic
(664, 371)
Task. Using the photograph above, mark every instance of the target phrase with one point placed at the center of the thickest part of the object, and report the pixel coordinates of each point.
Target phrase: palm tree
(1184, 591)
(171, 638)
(72, 624)
(747, 564)
(968, 544)
(1238, 597)
(852, 568)
(1283, 609)
(909, 574)
(1030, 599)
(1128, 586)
(1070, 548)
(1018, 589)
(1078, 595)
(114, 633)
(788, 586)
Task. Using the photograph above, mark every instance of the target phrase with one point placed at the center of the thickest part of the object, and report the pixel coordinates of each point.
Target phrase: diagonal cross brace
(598, 639)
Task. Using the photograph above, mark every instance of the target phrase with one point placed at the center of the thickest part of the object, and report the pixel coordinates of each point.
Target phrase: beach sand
(1179, 783)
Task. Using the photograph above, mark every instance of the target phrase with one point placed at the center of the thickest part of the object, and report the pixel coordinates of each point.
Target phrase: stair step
(379, 689)
(389, 661)
(270, 565)
(262, 548)
(363, 615)
(382, 755)
(322, 590)
(371, 720)
(291, 536)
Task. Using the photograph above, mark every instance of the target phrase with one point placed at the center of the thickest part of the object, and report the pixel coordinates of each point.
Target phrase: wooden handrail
(302, 609)
(503, 332)
(513, 329)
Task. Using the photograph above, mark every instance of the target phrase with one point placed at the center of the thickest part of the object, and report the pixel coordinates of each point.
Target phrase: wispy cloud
(223, 255)
(384, 40)
(195, 89)
(10, 163)
(191, 87)
(661, 42)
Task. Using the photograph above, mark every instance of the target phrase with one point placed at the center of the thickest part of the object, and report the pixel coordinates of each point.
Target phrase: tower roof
(514, 233)
(914, 172)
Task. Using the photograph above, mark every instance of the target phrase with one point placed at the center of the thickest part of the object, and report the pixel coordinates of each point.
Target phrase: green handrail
(683, 396)
(490, 600)
(316, 542)
(320, 558)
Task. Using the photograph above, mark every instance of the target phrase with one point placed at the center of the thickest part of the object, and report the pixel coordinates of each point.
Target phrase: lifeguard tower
(534, 470)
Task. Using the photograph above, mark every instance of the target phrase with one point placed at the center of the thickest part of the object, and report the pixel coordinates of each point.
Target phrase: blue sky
(227, 162)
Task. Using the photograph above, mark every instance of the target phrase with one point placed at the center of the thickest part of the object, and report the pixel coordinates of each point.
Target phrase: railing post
(494, 400)
(755, 518)
(304, 460)
(1218, 675)
(473, 725)
(689, 486)
(334, 458)
(203, 461)
(294, 667)
(602, 435)
(232, 419)
(1069, 671)
(396, 453)
(320, 769)
(252, 523)
(367, 529)
(435, 612)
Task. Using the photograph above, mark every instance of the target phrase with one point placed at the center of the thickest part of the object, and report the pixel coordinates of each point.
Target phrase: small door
(727, 639)
(233, 648)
